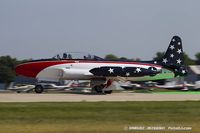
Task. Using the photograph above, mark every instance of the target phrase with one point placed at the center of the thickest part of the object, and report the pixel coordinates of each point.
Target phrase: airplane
(101, 72)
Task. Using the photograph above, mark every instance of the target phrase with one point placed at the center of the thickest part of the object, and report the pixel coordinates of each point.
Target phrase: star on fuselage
(111, 70)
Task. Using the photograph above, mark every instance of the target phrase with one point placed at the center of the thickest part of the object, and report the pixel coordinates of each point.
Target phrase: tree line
(8, 64)
(7, 68)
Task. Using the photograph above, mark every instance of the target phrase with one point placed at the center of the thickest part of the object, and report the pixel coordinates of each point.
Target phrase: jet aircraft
(101, 72)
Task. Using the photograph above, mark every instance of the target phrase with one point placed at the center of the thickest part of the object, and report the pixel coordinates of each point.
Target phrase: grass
(165, 91)
(179, 92)
(90, 117)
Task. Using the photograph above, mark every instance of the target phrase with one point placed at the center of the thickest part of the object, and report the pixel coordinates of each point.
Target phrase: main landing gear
(99, 89)
(39, 89)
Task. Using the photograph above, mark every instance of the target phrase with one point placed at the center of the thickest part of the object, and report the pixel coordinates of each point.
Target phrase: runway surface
(15, 97)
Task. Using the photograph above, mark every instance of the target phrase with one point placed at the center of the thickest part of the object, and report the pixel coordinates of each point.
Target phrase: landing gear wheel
(108, 92)
(98, 89)
(39, 89)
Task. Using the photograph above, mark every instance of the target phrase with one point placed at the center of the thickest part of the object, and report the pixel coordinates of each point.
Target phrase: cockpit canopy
(76, 55)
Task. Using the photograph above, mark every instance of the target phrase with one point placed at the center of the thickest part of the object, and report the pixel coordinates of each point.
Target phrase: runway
(24, 97)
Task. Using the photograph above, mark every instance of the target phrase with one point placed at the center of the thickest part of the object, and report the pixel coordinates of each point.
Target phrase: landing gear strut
(98, 86)
(99, 89)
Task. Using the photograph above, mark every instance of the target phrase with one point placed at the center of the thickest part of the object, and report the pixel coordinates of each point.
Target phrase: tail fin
(174, 58)
(174, 53)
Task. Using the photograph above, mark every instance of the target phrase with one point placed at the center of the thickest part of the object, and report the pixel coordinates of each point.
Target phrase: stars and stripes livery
(101, 71)
(173, 57)
(174, 53)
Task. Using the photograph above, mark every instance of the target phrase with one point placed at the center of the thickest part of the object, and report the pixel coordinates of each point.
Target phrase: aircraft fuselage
(81, 70)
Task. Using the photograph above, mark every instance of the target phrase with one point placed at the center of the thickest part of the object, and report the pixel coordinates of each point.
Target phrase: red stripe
(116, 62)
(31, 69)
(89, 61)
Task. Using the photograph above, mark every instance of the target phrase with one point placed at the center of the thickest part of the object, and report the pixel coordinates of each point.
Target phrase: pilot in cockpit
(69, 56)
(64, 56)
(89, 57)
(58, 56)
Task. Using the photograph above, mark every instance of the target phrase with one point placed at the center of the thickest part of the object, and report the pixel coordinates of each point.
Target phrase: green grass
(179, 92)
(165, 91)
(90, 117)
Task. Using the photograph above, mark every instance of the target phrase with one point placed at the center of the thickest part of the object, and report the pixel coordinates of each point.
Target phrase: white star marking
(179, 51)
(172, 55)
(155, 62)
(183, 71)
(171, 47)
(111, 70)
(173, 40)
(138, 70)
(179, 61)
(164, 60)
(179, 43)
(127, 74)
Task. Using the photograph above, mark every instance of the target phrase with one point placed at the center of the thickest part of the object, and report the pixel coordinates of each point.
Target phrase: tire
(108, 92)
(39, 89)
(98, 88)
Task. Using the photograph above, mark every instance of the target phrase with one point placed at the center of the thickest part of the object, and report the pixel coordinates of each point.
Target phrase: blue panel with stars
(174, 53)
(110, 71)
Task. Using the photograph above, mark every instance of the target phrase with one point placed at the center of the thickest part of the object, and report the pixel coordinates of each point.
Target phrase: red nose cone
(28, 70)
(32, 69)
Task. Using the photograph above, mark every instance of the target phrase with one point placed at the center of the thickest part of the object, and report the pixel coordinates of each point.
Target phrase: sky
(130, 28)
